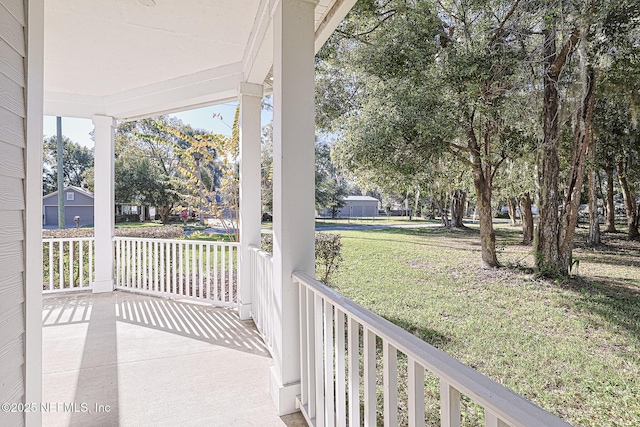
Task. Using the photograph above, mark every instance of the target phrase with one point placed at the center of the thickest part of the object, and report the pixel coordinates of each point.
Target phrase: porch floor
(153, 362)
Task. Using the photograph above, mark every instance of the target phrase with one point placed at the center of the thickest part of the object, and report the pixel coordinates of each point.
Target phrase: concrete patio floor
(121, 359)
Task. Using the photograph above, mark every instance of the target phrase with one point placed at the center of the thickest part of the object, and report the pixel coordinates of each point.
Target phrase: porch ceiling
(136, 58)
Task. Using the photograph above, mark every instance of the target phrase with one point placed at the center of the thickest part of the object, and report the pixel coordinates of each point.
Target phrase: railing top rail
(149, 239)
(503, 402)
(261, 252)
(67, 239)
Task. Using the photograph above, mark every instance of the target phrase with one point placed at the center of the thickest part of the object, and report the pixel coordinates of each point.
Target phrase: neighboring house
(77, 202)
(126, 212)
(356, 206)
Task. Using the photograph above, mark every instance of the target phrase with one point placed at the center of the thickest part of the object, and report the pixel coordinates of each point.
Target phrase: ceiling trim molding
(206, 87)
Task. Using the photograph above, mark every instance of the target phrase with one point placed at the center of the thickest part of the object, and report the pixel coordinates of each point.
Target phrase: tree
(77, 160)
(218, 154)
(146, 159)
(612, 128)
(595, 32)
(426, 80)
(516, 182)
(556, 229)
(266, 168)
(330, 186)
(615, 115)
(618, 139)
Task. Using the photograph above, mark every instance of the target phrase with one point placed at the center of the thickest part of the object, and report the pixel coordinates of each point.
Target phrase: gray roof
(360, 199)
(70, 187)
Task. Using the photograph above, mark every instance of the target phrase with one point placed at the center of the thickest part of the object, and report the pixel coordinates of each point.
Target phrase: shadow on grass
(617, 304)
(430, 336)
(613, 251)
(437, 232)
(611, 259)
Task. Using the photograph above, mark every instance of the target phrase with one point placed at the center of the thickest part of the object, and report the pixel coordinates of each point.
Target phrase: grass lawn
(191, 225)
(571, 347)
(379, 220)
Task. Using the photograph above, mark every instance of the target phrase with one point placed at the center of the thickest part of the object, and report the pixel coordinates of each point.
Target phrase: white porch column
(293, 186)
(103, 208)
(250, 97)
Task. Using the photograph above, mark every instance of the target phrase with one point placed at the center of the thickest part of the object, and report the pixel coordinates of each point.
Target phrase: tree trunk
(527, 219)
(443, 214)
(458, 199)
(594, 218)
(547, 241)
(575, 178)
(482, 183)
(610, 225)
(629, 203)
(164, 213)
(512, 211)
(555, 233)
(487, 235)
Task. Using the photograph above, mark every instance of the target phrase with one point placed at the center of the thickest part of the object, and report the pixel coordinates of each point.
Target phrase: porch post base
(244, 311)
(284, 396)
(102, 286)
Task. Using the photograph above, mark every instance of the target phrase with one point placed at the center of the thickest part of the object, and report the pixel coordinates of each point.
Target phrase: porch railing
(338, 336)
(68, 264)
(190, 269)
(262, 298)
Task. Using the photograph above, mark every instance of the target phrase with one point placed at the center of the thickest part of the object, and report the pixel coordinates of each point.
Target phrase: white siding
(12, 205)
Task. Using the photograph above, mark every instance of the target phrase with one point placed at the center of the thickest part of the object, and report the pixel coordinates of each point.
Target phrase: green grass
(152, 224)
(377, 221)
(209, 237)
(380, 220)
(571, 347)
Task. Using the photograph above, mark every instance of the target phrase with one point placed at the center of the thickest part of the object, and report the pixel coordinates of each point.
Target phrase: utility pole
(60, 167)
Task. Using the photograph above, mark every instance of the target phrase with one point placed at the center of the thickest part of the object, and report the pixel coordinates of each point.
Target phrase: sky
(78, 130)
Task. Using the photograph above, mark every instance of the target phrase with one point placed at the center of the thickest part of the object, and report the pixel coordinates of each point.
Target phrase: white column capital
(277, 3)
(104, 121)
(314, 3)
(250, 89)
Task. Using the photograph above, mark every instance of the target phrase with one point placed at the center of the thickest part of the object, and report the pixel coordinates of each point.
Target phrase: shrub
(328, 253)
(161, 232)
(67, 232)
(267, 243)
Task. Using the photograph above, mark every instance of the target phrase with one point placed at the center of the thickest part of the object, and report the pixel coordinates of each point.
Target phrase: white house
(113, 60)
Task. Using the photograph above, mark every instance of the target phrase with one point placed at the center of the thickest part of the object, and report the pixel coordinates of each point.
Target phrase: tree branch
(495, 33)
(558, 63)
(351, 36)
(460, 157)
(388, 14)
(496, 167)
(460, 147)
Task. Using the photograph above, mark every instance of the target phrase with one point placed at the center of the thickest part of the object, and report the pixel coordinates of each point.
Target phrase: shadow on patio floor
(153, 362)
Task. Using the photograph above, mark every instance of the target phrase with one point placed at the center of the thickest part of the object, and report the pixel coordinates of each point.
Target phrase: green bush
(328, 253)
(67, 233)
(267, 243)
(160, 232)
